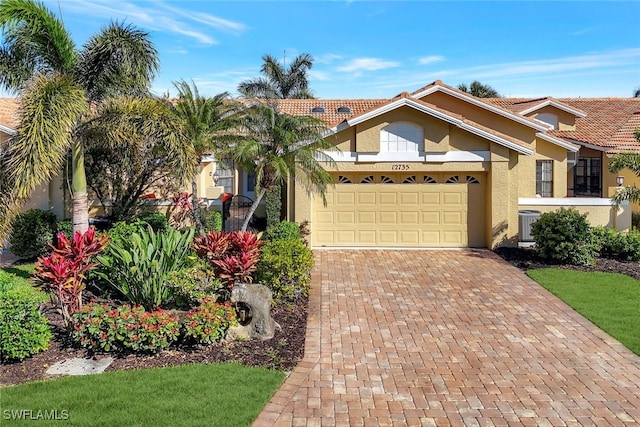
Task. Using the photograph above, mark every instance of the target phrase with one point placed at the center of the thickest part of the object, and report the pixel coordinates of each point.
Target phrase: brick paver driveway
(436, 338)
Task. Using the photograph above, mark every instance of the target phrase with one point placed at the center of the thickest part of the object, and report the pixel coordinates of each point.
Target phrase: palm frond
(123, 121)
(50, 108)
(32, 31)
(629, 161)
(120, 60)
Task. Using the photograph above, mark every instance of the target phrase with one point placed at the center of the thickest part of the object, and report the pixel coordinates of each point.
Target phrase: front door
(249, 186)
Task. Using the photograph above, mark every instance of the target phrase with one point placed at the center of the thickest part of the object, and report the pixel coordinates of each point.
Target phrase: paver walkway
(437, 338)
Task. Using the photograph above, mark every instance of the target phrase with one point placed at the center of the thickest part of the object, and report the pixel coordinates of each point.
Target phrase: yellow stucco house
(441, 168)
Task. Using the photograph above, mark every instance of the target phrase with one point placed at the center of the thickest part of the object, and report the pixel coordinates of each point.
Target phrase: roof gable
(404, 100)
(438, 86)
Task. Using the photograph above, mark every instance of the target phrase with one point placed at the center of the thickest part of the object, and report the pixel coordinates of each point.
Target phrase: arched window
(548, 118)
(401, 137)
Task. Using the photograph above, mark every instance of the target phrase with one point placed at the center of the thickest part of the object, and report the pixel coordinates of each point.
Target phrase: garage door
(388, 210)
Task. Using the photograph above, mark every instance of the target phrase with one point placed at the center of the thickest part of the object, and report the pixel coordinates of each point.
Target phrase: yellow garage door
(379, 213)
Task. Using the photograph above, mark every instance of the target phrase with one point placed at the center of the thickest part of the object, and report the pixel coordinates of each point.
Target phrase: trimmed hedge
(285, 268)
(564, 236)
(24, 331)
(32, 232)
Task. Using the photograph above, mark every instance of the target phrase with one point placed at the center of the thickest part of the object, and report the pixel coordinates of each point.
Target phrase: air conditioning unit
(526, 218)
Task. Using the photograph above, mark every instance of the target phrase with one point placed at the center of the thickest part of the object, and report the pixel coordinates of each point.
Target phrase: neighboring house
(441, 168)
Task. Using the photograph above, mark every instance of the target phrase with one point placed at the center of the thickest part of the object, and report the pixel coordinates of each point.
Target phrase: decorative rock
(78, 366)
(259, 298)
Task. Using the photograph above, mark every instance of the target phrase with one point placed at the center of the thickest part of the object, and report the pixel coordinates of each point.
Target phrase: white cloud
(590, 61)
(327, 58)
(368, 64)
(319, 75)
(156, 16)
(430, 59)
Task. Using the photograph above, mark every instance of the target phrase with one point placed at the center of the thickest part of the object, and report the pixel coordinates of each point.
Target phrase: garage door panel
(410, 218)
(367, 218)
(367, 198)
(409, 198)
(387, 198)
(325, 217)
(410, 237)
(346, 217)
(452, 238)
(430, 198)
(346, 198)
(388, 237)
(430, 237)
(453, 218)
(396, 215)
(388, 218)
(366, 237)
(431, 218)
(345, 237)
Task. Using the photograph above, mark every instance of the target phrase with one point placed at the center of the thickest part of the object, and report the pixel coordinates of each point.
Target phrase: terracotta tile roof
(9, 112)
(609, 123)
(330, 114)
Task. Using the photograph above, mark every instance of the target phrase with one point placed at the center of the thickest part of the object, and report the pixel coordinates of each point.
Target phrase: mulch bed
(526, 259)
(282, 352)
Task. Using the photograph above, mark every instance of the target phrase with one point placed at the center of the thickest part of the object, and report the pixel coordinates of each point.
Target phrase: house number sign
(400, 167)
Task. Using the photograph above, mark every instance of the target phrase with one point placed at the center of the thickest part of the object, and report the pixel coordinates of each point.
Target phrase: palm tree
(56, 84)
(279, 146)
(134, 144)
(479, 90)
(280, 82)
(203, 121)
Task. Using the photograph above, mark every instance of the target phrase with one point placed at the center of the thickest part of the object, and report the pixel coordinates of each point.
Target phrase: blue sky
(377, 49)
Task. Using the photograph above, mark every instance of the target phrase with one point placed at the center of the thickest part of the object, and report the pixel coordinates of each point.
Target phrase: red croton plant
(233, 256)
(61, 274)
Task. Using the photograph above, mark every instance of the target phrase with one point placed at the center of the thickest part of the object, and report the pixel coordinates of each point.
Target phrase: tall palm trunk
(253, 208)
(79, 188)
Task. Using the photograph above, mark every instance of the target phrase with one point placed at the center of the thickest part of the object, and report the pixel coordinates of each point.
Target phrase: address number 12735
(400, 167)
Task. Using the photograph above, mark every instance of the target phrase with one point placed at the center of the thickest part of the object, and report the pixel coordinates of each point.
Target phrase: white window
(550, 119)
(401, 137)
(544, 178)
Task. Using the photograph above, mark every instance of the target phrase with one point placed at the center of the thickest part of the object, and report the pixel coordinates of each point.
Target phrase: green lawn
(190, 395)
(609, 300)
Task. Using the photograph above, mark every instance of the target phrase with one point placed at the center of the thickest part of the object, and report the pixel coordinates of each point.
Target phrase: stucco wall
(599, 211)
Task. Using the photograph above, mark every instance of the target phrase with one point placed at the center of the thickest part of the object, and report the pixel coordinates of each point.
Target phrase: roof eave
(558, 105)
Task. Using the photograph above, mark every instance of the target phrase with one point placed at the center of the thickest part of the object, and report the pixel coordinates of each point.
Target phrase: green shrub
(122, 231)
(285, 267)
(138, 267)
(610, 243)
(23, 329)
(32, 232)
(209, 322)
(212, 220)
(563, 236)
(100, 327)
(65, 227)
(283, 230)
(190, 284)
(156, 220)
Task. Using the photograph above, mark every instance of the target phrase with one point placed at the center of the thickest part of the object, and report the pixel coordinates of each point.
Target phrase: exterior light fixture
(216, 177)
(620, 180)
